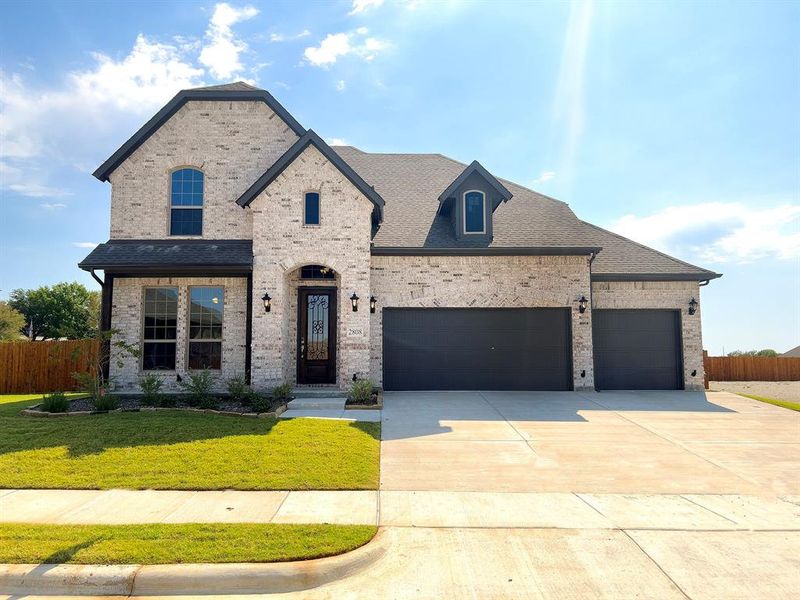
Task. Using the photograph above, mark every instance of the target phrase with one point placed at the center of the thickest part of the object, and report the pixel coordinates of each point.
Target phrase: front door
(316, 335)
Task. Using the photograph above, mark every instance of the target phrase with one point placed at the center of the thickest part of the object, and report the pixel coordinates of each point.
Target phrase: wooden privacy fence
(33, 367)
(752, 368)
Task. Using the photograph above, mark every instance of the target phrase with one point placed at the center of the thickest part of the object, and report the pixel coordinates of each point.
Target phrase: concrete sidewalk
(406, 509)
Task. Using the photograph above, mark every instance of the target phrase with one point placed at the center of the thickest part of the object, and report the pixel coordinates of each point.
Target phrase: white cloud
(281, 37)
(37, 190)
(331, 48)
(362, 5)
(52, 206)
(718, 232)
(341, 85)
(336, 45)
(221, 54)
(337, 142)
(544, 177)
(85, 244)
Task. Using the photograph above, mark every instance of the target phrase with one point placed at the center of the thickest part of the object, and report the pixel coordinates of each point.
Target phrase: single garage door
(637, 350)
(477, 349)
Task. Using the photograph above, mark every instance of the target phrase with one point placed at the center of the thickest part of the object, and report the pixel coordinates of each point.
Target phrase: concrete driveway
(611, 442)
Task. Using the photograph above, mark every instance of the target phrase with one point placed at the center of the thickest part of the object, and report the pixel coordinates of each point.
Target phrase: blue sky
(675, 124)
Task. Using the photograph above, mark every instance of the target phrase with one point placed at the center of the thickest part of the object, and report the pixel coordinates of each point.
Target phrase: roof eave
(655, 276)
(507, 251)
(162, 116)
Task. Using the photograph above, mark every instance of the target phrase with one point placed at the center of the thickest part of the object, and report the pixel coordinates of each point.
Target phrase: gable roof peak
(310, 137)
(475, 167)
(234, 86)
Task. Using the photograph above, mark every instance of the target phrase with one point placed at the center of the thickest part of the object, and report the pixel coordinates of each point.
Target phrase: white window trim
(319, 208)
(464, 212)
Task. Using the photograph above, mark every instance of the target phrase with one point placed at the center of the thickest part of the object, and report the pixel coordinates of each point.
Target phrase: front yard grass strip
(781, 403)
(176, 543)
(174, 450)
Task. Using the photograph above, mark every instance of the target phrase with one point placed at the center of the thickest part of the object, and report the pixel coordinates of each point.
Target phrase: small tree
(11, 322)
(93, 381)
(765, 352)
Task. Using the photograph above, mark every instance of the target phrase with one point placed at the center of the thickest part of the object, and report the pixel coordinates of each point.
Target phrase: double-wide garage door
(477, 349)
(637, 350)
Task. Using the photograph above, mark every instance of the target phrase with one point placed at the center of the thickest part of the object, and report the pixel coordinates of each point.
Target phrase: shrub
(261, 404)
(104, 402)
(198, 388)
(283, 392)
(151, 385)
(361, 391)
(238, 389)
(55, 403)
(168, 401)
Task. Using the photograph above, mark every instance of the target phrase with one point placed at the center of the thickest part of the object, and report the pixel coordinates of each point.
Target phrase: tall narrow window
(160, 329)
(205, 327)
(311, 213)
(186, 202)
(474, 214)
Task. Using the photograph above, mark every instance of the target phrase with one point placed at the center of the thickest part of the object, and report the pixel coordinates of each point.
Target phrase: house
(243, 243)
(793, 353)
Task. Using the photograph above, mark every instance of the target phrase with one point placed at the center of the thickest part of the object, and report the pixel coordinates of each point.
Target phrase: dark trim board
(637, 349)
(181, 271)
(477, 349)
(655, 276)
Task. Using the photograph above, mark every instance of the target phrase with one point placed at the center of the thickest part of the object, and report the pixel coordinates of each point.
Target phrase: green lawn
(185, 543)
(781, 403)
(181, 450)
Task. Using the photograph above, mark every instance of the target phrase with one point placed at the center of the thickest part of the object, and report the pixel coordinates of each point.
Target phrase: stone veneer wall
(126, 316)
(665, 295)
(233, 143)
(484, 281)
(281, 244)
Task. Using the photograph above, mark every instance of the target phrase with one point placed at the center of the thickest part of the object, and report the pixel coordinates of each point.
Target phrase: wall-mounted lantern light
(354, 302)
(267, 302)
(373, 302)
(693, 306)
(582, 304)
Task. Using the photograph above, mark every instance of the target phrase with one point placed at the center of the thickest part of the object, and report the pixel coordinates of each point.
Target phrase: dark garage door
(637, 350)
(477, 349)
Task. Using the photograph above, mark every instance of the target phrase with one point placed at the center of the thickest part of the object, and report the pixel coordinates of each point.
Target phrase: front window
(160, 329)
(317, 272)
(311, 212)
(474, 213)
(205, 327)
(186, 202)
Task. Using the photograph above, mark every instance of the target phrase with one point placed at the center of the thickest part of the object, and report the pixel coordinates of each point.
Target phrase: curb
(198, 579)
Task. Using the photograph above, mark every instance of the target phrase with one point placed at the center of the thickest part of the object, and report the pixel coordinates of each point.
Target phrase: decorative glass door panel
(316, 331)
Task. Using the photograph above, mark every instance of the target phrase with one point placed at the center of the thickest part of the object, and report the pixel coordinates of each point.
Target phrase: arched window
(474, 212)
(186, 202)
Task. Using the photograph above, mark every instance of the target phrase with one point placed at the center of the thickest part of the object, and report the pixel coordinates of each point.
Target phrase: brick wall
(233, 143)
(282, 244)
(484, 281)
(661, 294)
(126, 316)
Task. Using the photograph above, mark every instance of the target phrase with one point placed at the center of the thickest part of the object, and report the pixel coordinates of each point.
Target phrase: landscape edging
(33, 412)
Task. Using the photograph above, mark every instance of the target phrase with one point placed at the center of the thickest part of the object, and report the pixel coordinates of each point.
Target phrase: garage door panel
(491, 349)
(637, 349)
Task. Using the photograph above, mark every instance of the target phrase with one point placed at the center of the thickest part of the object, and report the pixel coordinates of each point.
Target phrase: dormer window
(186, 202)
(474, 212)
(311, 209)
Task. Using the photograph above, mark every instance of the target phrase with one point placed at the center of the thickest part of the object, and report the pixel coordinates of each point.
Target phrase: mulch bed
(225, 406)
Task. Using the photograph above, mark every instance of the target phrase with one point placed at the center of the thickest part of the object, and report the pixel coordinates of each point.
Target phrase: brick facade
(484, 282)
(233, 143)
(661, 294)
(282, 244)
(127, 319)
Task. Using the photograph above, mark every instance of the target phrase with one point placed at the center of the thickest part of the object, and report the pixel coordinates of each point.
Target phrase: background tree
(64, 310)
(765, 352)
(11, 322)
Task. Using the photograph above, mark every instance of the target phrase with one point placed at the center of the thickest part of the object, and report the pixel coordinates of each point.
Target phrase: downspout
(248, 334)
(592, 256)
(106, 298)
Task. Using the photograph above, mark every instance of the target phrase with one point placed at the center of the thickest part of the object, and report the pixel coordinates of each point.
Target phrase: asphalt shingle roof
(410, 185)
(115, 255)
